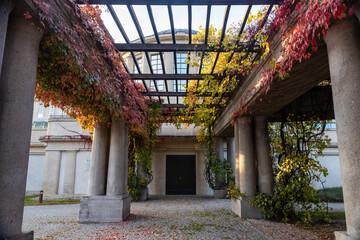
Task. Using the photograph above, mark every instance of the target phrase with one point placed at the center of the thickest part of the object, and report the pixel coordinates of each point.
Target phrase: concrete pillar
(237, 154)
(357, 9)
(265, 173)
(115, 205)
(219, 147)
(118, 158)
(70, 172)
(17, 87)
(99, 160)
(343, 45)
(247, 157)
(245, 160)
(230, 152)
(219, 180)
(6, 7)
(51, 172)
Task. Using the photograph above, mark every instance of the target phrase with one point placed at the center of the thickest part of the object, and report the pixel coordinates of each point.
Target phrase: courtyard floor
(165, 218)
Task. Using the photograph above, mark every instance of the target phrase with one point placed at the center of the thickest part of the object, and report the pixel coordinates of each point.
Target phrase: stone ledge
(342, 235)
(241, 207)
(220, 194)
(24, 236)
(65, 138)
(99, 209)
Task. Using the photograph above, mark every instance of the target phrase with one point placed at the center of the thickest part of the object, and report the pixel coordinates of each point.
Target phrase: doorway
(180, 175)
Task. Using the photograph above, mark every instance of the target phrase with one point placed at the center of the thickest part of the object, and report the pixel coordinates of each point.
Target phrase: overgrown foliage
(295, 147)
(80, 70)
(218, 171)
(141, 143)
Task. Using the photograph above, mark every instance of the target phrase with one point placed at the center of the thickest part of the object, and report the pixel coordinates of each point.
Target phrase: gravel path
(166, 218)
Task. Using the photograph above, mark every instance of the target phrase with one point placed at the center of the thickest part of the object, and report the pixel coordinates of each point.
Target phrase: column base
(242, 208)
(220, 194)
(98, 209)
(342, 235)
(24, 236)
(144, 194)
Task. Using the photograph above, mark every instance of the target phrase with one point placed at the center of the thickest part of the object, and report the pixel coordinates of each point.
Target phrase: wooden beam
(170, 47)
(182, 2)
(172, 76)
(166, 94)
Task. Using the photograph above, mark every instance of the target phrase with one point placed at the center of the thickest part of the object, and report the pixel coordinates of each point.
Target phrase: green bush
(331, 195)
(295, 147)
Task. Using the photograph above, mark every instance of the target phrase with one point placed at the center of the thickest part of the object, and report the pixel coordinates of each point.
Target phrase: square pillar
(17, 87)
(343, 45)
(70, 173)
(51, 172)
(6, 7)
(245, 162)
(219, 180)
(230, 152)
(265, 172)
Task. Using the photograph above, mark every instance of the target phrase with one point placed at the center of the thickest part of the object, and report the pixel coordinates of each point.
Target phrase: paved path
(169, 218)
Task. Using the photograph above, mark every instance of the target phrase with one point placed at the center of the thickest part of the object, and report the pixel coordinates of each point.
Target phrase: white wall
(82, 172)
(35, 172)
(62, 172)
(177, 146)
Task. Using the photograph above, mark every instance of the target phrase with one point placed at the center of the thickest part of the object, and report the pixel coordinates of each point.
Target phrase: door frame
(182, 155)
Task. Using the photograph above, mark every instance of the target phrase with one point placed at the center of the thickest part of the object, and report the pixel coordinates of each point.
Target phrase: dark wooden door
(180, 175)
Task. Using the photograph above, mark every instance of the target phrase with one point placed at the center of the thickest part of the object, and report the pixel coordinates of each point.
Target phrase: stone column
(17, 87)
(118, 159)
(219, 147)
(70, 173)
(115, 205)
(99, 160)
(230, 152)
(237, 154)
(357, 9)
(219, 180)
(246, 160)
(6, 7)
(343, 45)
(51, 172)
(247, 157)
(265, 173)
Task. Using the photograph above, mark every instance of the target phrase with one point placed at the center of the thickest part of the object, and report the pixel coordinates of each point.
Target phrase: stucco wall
(35, 173)
(177, 146)
(82, 172)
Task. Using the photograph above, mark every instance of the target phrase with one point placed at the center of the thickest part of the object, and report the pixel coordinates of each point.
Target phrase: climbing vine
(295, 148)
(142, 139)
(298, 25)
(80, 70)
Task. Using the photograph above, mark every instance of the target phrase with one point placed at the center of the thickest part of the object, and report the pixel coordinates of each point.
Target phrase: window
(157, 68)
(139, 60)
(61, 112)
(181, 63)
(181, 85)
(52, 110)
(41, 111)
(181, 69)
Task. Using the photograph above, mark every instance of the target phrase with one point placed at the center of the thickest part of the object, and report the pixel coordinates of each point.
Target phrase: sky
(162, 22)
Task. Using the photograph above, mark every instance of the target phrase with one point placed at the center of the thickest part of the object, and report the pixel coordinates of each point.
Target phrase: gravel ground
(166, 218)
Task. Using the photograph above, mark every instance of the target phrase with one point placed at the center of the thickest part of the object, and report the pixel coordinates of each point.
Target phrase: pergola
(190, 47)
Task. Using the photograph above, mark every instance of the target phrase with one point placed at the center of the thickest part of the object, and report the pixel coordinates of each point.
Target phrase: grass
(331, 195)
(325, 230)
(34, 200)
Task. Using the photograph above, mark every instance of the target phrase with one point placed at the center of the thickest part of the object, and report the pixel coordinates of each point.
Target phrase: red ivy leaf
(27, 15)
